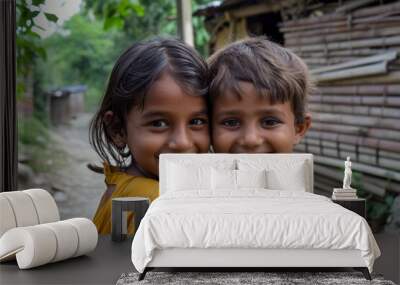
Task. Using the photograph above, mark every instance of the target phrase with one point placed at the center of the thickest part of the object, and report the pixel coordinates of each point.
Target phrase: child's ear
(302, 128)
(114, 128)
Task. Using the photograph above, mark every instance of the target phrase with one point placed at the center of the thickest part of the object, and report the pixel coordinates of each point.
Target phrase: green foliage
(51, 17)
(28, 42)
(89, 43)
(115, 12)
(32, 131)
(83, 54)
(38, 2)
(201, 36)
(377, 208)
(40, 98)
(39, 146)
(154, 18)
(92, 98)
(28, 46)
(356, 181)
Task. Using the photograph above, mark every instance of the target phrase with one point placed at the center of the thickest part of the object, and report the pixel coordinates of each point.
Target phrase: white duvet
(250, 219)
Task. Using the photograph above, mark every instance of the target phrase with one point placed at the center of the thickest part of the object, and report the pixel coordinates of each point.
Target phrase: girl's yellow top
(121, 184)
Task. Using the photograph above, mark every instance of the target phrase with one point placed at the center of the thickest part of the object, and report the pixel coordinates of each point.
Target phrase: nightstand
(120, 207)
(356, 205)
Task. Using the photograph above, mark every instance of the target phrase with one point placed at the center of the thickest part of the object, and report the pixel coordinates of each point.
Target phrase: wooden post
(8, 122)
(185, 27)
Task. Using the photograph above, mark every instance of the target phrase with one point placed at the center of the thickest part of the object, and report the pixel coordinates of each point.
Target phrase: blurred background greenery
(81, 50)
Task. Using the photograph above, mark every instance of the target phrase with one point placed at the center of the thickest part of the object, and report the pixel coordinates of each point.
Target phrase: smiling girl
(155, 103)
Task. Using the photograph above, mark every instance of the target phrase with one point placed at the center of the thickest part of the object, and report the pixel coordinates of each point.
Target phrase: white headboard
(230, 161)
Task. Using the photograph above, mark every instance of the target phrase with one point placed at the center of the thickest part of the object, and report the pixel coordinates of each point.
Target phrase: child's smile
(172, 121)
(250, 124)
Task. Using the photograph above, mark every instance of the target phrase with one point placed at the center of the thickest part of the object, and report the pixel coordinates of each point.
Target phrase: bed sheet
(252, 218)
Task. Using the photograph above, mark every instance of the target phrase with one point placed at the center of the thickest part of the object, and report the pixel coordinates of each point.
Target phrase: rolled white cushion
(40, 244)
(33, 246)
(26, 208)
(23, 208)
(46, 207)
(7, 218)
(87, 235)
(67, 239)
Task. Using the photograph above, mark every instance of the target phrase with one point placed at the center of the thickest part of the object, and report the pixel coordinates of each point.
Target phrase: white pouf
(23, 208)
(40, 244)
(7, 216)
(26, 208)
(46, 207)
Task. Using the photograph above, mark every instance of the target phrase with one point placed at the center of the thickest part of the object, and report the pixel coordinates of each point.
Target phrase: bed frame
(250, 258)
(242, 259)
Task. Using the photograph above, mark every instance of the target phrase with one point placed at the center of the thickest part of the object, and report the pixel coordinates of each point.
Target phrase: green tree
(201, 36)
(27, 40)
(82, 54)
(151, 19)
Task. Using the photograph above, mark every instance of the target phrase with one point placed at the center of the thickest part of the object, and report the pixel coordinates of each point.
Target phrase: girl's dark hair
(275, 72)
(131, 78)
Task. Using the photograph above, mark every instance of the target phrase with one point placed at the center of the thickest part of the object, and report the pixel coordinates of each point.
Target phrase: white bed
(202, 219)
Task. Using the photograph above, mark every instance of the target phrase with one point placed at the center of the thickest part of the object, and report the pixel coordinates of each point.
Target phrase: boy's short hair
(276, 73)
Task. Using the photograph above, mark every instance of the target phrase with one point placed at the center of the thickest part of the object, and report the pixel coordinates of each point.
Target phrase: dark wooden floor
(389, 262)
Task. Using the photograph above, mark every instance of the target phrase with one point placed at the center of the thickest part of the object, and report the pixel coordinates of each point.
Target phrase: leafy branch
(28, 44)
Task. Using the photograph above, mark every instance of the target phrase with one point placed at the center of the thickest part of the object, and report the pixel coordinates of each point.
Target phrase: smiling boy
(258, 96)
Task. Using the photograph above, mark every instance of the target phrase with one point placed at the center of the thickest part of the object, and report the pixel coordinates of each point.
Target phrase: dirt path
(78, 189)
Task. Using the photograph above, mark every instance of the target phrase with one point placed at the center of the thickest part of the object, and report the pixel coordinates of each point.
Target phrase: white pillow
(284, 179)
(184, 177)
(251, 178)
(223, 179)
(230, 180)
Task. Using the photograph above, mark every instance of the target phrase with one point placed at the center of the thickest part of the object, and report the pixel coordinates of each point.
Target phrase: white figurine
(347, 174)
(346, 192)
